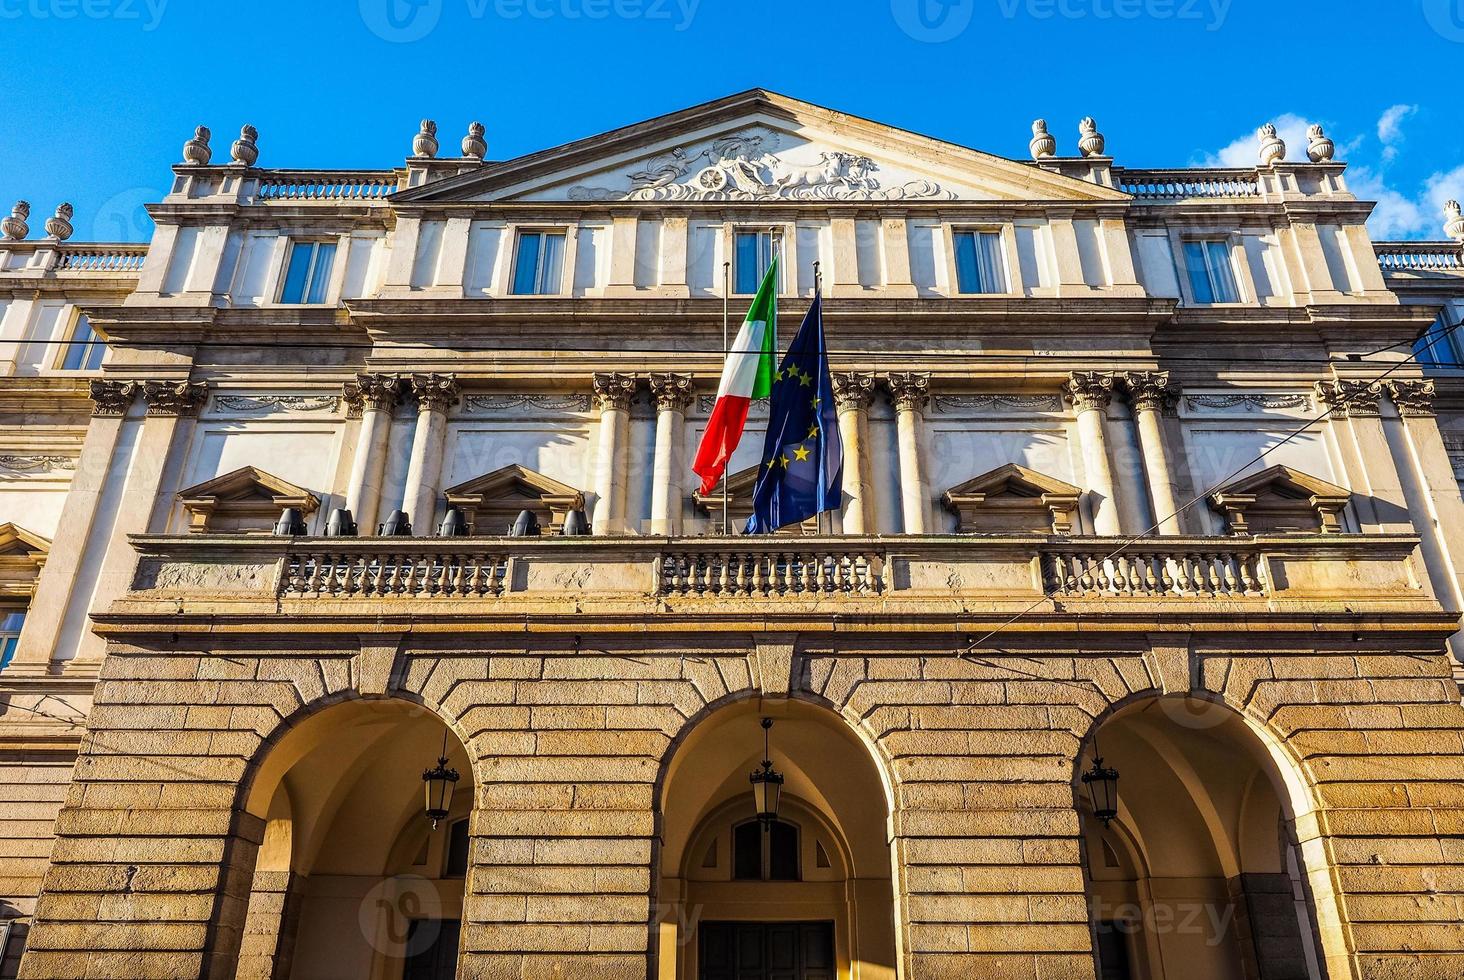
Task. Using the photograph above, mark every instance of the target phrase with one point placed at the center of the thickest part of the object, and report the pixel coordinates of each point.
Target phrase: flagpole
(726, 353)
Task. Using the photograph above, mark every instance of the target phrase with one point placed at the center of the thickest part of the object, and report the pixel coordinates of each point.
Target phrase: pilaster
(613, 394)
(436, 394)
(673, 394)
(910, 393)
(853, 394)
(1090, 393)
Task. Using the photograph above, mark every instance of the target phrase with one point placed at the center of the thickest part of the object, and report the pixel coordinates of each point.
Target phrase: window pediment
(740, 488)
(247, 499)
(490, 503)
(22, 554)
(1281, 500)
(1014, 499)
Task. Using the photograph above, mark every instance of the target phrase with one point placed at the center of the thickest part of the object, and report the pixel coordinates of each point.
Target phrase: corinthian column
(673, 394)
(1090, 392)
(613, 392)
(853, 394)
(910, 393)
(1152, 400)
(373, 397)
(436, 393)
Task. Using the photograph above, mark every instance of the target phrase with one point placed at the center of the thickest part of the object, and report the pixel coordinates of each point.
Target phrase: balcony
(228, 581)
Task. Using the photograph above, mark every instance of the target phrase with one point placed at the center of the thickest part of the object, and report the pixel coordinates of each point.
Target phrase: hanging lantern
(1102, 783)
(767, 782)
(440, 782)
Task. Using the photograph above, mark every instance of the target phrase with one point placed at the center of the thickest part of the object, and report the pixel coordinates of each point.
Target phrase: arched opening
(1199, 876)
(808, 897)
(351, 879)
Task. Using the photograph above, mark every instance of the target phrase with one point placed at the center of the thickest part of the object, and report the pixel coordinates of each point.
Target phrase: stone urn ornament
(14, 227)
(1090, 141)
(1453, 221)
(196, 151)
(58, 226)
(1273, 148)
(1043, 143)
(475, 147)
(1319, 149)
(246, 148)
(424, 144)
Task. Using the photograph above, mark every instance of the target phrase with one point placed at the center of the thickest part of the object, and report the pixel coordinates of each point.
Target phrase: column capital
(1149, 391)
(435, 392)
(909, 390)
(853, 390)
(1351, 397)
(613, 390)
(1089, 390)
(672, 392)
(378, 392)
(1413, 399)
(112, 397)
(180, 398)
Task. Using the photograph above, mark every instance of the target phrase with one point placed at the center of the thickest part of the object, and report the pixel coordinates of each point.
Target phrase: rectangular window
(538, 268)
(1212, 279)
(10, 624)
(752, 254)
(980, 266)
(307, 276)
(84, 348)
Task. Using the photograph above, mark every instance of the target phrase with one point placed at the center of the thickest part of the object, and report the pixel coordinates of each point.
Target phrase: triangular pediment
(1013, 480)
(249, 483)
(1281, 500)
(22, 553)
(1283, 481)
(490, 503)
(759, 146)
(1013, 499)
(17, 542)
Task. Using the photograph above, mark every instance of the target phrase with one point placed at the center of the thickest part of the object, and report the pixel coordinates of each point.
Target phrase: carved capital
(1089, 390)
(379, 392)
(1413, 399)
(1149, 391)
(614, 390)
(1351, 398)
(435, 392)
(180, 398)
(673, 392)
(853, 391)
(112, 397)
(910, 391)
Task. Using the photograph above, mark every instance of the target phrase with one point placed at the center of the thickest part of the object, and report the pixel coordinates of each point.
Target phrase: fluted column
(436, 394)
(673, 394)
(373, 397)
(1153, 399)
(853, 393)
(613, 392)
(1090, 392)
(911, 392)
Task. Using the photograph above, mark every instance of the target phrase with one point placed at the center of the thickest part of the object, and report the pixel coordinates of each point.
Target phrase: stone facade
(1126, 485)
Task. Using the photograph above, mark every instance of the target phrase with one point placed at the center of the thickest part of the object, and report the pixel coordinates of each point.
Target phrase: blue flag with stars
(802, 469)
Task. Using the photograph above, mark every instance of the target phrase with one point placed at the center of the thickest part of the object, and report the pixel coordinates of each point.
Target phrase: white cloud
(1245, 150)
(1390, 128)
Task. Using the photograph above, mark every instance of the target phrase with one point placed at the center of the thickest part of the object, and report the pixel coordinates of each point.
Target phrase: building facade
(1152, 480)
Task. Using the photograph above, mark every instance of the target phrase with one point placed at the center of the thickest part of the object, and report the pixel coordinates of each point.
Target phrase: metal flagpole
(726, 353)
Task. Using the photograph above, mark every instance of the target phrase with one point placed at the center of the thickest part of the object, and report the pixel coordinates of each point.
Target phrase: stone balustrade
(93, 259)
(1221, 571)
(325, 185)
(1420, 256)
(784, 571)
(378, 574)
(1190, 183)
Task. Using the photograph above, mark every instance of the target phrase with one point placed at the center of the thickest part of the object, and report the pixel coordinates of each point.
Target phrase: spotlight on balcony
(290, 523)
(576, 524)
(526, 526)
(453, 525)
(396, 526)
(340, 524)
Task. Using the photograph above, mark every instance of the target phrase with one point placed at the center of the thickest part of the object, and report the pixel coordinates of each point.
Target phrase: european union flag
(802, 470)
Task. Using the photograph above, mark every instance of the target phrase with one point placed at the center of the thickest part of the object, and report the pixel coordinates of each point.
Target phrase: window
(538, 269)
(10, 624)
(980, 267)
(84, 348)
(765, 852)
(1212, 280)
(1439, 347)
(307, 276)
(753, 252)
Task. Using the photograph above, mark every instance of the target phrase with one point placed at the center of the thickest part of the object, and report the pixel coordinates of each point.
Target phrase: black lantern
(440, 782)
(1102, 783)
(767, 782)
(291, 523)
(576, 524)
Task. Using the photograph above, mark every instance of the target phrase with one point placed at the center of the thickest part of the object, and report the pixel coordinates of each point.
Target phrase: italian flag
(748, 374)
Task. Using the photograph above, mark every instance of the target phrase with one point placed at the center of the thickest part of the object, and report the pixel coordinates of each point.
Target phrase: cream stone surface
(213, 737)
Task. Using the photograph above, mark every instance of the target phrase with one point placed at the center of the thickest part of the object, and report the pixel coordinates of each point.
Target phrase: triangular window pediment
(490, 503)
(1281, 500)
(22, 554)
(246, 500)
(1013, 499)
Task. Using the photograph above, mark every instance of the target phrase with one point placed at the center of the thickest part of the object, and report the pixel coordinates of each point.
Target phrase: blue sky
(99, 95)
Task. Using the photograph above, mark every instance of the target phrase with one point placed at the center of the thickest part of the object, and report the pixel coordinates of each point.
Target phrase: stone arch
(1260, 823)
(701, 792)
